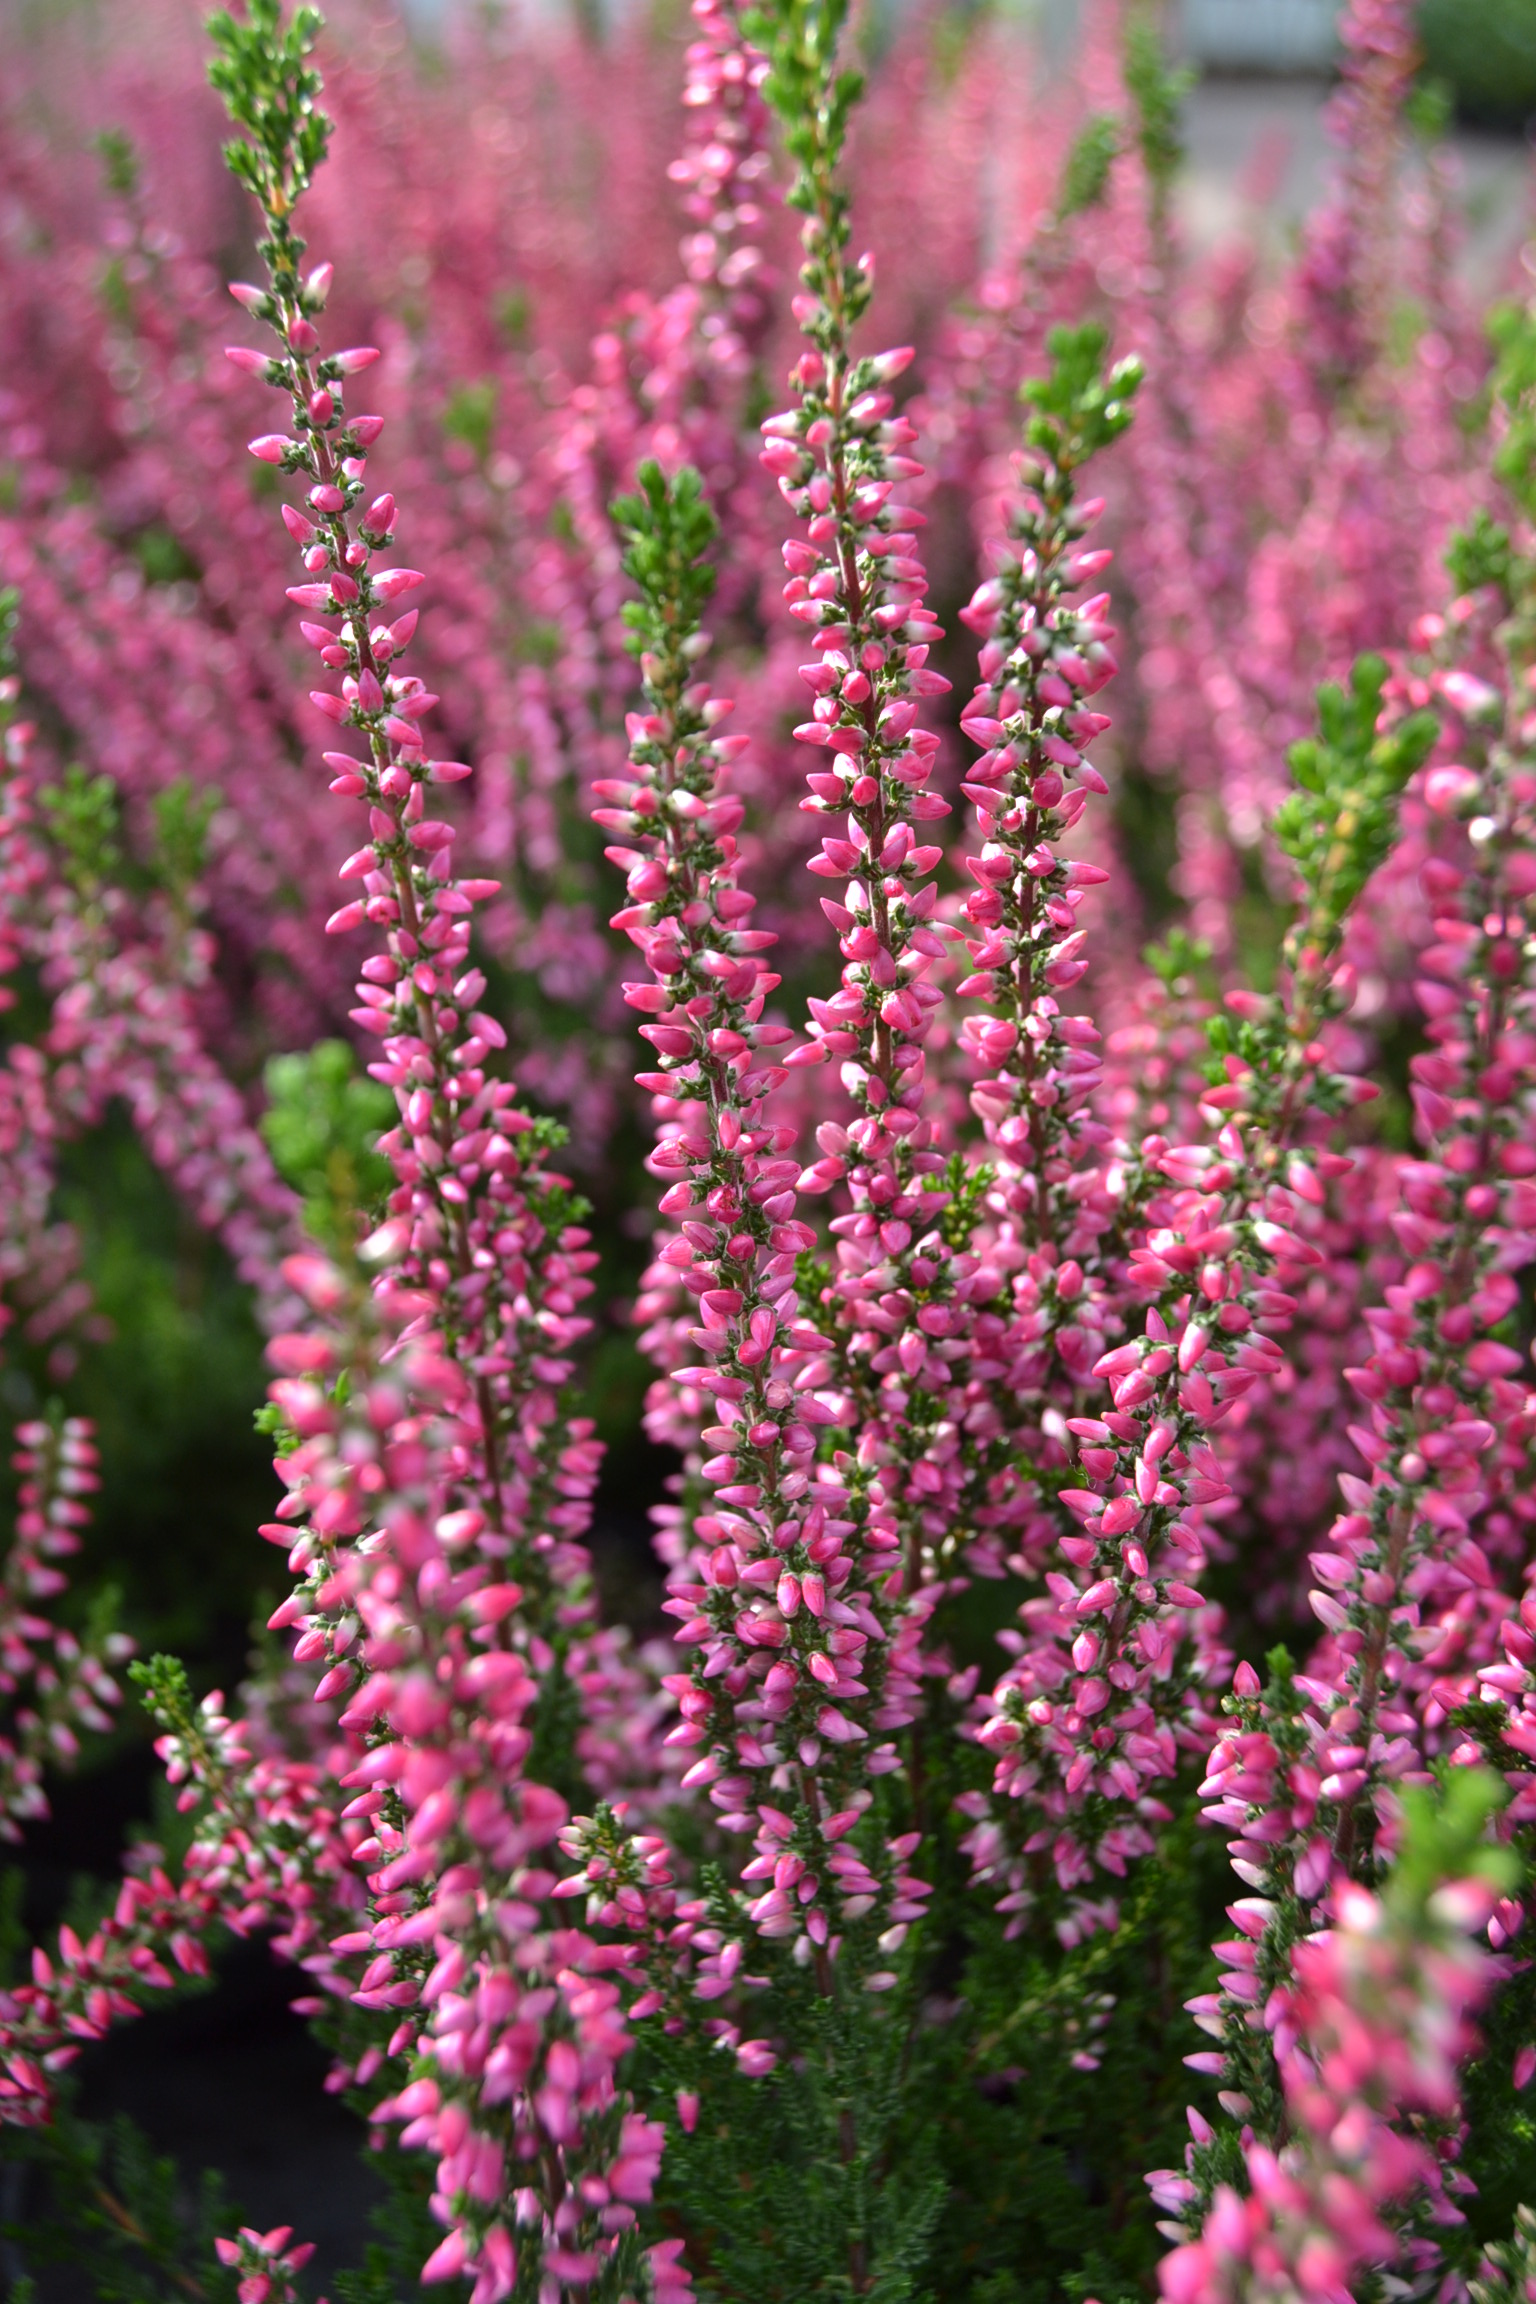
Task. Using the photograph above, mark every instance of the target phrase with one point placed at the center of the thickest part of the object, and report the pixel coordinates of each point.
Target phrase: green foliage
(1339, 823)
(163, 557)
(1079, 407)
(814, 101)
(1337, 826)
(1485, 50)
(97, 2200)
(103, 2202)
(1509, 2270)
(175, 1363)
(119, 163)
(322, 1124)
(1058, 2073)
(1430, 109)
(1485, 551)
(1145, 807)
(1450, 1833)
(470, 416)
(1445, 1837)
(1157, 95)
(1512, 332)
(666, 530)
(269, 88)
(181, 815)
(1180, 960)
(513, 313)
(812, 98)
(13, 1932)
(170, 1386)
(790, 2184)
(83, 821)
(407, 2234)
(967, 1186)
(167, 1693)
(967, 2135)
(1085, 178)
(1500, 2150)
(1479, 554)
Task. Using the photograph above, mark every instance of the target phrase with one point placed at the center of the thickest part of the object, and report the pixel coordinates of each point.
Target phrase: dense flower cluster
(123, 980)
(76, 1994)
(1035, 1330)
(1369, 2032)
(55, 1684)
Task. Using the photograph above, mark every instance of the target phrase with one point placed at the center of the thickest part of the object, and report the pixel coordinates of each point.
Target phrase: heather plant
(1032, 1329)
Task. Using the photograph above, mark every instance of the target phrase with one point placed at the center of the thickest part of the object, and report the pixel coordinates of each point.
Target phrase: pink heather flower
(1101, 1698)
(78, 1993)
(1369, 2032)
(773, 1589)
(265, 2264)
(124, 982)
(1048, 1340)
(445, 1486)
(57, 1685)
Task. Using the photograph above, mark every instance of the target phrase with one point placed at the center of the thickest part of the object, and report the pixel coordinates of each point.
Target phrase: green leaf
(1482, 553)
(83, 819)
(1080, 406)
(119, 163)
(1157, 95)
(1446, 1837)
(1085, 178)
(665, 530)
(470, 416)
(322, 1125)
(1338, 824)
